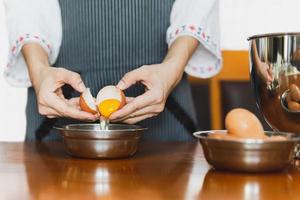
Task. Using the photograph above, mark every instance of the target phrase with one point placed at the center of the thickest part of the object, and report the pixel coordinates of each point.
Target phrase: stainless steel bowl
(274, 66)
(248, 155)
(89, 141)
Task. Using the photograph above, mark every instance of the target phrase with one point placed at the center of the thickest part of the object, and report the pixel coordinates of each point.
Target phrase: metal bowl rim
(276, 34)
(245, 141)
(63, 128)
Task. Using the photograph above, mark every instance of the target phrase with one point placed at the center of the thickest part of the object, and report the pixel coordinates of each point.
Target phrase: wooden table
(158, 171)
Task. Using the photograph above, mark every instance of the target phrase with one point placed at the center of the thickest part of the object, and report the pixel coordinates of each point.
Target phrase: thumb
(73, 79)
(131, 78)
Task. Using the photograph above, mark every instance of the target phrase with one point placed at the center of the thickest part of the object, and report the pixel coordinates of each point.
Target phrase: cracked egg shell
(110, 99)
(87, 102)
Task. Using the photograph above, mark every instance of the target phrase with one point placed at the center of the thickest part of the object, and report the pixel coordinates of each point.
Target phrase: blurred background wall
(238, 18)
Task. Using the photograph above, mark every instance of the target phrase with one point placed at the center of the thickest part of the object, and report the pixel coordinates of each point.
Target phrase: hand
(48, 81)
(51, 101)
(265, 72)
(263, 69)
(159, 80)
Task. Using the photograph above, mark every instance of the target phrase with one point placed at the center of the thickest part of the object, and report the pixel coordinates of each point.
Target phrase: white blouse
(40, 22)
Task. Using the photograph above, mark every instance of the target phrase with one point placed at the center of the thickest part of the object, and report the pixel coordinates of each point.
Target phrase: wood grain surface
(159, 170)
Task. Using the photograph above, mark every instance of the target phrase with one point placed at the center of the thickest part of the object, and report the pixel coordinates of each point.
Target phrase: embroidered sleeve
(198, 19)
(31, 21)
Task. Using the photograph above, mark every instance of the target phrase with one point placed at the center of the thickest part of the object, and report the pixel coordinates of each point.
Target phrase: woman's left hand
(159, 80)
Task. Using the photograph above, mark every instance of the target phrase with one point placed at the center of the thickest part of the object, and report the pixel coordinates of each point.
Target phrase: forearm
(36, 59)
(181, 50)
(158, 79)
(255, 54)
(179, 54)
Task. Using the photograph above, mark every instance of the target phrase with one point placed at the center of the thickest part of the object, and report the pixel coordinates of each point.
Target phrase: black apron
(104, 39)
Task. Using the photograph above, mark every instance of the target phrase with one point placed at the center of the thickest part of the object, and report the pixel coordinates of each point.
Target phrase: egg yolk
(108, 106)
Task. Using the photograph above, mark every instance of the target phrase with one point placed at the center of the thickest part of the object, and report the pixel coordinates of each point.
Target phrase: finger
(45, 111)
(119, 119)
(59, 93)
(138, 119)
(129, 99)
(73, 79)
(137, 103)
(153, 109)
(131, 78)
(74, 102)
(131, 116)
(77, 107)
(52, 116)
(270, 73)
(68, 111)
(97, 116)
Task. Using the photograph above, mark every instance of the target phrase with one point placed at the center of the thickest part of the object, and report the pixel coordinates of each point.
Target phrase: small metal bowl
(89, 141)
(249, 155)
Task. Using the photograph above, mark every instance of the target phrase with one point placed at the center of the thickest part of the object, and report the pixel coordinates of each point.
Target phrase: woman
(95, 43)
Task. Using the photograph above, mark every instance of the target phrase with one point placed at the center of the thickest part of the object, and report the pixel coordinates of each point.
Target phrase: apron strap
(180, 114)
(44, 128)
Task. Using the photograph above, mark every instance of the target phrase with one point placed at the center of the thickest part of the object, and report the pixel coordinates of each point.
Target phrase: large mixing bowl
(274, 67)
(89, 141)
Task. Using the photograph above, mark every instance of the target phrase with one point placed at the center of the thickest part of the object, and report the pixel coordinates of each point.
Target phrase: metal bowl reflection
(248, 155)
(89, 141)
(274, 67)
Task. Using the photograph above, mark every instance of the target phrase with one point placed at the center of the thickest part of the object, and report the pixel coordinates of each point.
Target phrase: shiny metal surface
(284, 104)
(89, 141)
(273, 35)
(248, 155)
(274, 67)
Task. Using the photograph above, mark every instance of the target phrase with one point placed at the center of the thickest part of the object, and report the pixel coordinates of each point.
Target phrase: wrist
(178, 56)
(174, 71)
(175, 62)
(181, 50)
(37, 62)
(37, 72)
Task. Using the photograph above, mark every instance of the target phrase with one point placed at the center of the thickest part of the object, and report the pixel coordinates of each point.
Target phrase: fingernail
(93, 119)
(81, 87)
(121, 85)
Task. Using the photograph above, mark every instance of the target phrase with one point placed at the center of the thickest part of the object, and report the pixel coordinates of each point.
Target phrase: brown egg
(294, 106)
(243, 124)
(276, 138)
(295, 92)
(216, 135)
(223, 136)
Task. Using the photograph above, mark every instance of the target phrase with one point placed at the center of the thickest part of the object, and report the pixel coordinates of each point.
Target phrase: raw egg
(243, 124)
(109, 99)
(87, 102)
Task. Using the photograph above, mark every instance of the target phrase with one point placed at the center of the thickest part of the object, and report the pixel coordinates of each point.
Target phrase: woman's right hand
(48, 81)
